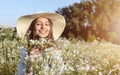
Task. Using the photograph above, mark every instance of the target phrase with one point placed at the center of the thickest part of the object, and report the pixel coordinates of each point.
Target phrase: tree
(99, 17)
(105, 19)
(76, 18)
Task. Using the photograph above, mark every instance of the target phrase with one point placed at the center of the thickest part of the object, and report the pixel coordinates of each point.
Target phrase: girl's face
(42, 27)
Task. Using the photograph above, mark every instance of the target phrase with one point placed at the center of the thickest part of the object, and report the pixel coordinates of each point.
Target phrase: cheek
(48, 28)
(37, 27)
(36, 30)
(48, 31)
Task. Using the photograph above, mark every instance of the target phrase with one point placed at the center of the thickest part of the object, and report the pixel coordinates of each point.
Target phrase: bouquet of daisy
(33, 60)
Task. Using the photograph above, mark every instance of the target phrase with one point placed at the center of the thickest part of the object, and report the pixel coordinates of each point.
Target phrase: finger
(36, 51)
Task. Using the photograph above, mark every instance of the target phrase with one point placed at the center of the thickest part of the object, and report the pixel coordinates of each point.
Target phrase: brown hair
(33, 35)
(32, 30)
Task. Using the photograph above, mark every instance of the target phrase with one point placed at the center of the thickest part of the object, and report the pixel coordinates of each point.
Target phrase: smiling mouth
(42, 32)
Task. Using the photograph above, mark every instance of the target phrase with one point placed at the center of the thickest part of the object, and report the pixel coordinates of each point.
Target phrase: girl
(46, 25)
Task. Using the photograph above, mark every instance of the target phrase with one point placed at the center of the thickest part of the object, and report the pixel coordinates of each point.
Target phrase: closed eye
(38, 24)
(47, 24)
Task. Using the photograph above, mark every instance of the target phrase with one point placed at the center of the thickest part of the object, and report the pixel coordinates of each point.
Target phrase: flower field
(79, 57)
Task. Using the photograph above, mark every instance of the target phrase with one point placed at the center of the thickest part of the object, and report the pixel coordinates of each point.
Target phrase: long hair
(34, 36)
(32, 30)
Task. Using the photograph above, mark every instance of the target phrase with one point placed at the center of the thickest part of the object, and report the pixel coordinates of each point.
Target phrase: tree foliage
(96, 18)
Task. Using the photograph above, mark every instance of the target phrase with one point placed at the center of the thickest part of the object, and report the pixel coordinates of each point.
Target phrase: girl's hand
(35, 51)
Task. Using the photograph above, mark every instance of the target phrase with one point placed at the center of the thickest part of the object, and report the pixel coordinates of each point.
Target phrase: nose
(42, 26)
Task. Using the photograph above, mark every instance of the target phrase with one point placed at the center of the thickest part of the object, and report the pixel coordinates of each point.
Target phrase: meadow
(80, 57)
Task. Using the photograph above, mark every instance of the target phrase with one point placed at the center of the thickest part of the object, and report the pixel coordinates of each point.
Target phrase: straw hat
(23, 23)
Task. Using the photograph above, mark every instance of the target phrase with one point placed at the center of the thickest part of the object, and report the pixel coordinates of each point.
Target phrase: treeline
(93, 19)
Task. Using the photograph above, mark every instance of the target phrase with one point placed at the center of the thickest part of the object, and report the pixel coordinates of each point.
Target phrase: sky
(11, 10)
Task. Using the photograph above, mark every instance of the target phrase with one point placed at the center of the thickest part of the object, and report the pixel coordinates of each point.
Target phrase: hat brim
(23, 23)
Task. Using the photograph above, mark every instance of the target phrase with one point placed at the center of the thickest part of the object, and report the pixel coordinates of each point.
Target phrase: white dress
(52, 63)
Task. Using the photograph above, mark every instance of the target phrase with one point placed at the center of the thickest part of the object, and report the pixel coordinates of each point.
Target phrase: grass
(80, 58)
